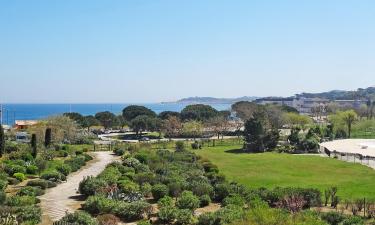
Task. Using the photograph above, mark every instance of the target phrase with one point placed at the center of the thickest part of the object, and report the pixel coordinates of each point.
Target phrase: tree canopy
(166, 114)
(198, 112)
(133, 111)
(106, 119)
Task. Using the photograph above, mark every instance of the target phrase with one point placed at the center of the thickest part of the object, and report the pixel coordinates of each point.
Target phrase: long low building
(365, 147)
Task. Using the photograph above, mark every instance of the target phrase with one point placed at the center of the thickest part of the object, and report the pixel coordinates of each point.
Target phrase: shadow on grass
(236, 151)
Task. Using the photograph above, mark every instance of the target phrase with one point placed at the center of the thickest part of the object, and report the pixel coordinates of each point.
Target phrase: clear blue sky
(159, 50)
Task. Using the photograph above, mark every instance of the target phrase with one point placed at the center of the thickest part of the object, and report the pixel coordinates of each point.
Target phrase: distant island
(212, 100)
(359, 94)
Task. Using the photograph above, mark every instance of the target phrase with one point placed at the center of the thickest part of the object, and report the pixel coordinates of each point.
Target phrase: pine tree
(34, 146)
(2, 141)
(48, 137)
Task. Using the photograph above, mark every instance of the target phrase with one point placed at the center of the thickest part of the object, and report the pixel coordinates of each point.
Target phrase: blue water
(12, 112)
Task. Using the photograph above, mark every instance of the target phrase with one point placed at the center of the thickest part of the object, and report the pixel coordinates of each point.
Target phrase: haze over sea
(12, 112)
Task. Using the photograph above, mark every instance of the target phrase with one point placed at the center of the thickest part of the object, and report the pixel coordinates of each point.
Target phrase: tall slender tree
(48, 137)
(2, 141)
(34, 145)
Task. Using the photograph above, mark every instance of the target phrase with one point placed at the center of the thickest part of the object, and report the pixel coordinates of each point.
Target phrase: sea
(12, 112)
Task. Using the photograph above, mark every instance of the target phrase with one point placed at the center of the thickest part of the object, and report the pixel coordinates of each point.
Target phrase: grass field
(285, 170)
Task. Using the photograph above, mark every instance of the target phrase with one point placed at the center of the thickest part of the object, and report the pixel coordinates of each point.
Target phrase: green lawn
(273, 169)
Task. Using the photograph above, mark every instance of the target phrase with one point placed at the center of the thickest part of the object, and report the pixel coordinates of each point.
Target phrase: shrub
(87, 157)
(205, 200)
(79, 152)
(145, 177)
(99, 204)
(159, 191)
(12, 169)
(142, 157)
(166, 201)
(184, 217)
(201, 188)
(43, 184)
(21, 200)
(12, 181)
(3, 184)
(64, 169)
(110, 175)
(221, 191)
(30, 191)
(207, 219)
(119, 151)
(146, 189)
(29, 215)
(229, 214)
(32, 169)
(132, 211)
(53, 176)
(61, 153)
(234, 200)
(180, 146)
(108, 219)
(128, 187)
(75, 163)
(353, 220)
(78, 217)
(90, 185)
(167, 215)
(19, 176)
(333, 218)
(2, 197)
(188, 201)
(131, 162)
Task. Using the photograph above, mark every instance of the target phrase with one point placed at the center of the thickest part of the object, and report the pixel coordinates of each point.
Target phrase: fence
(351, 157)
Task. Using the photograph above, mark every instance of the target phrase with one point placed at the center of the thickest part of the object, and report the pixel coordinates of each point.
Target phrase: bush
(61, 153)
(87, 157)
(64, 169)
(78, 217)
(205, 200)
(99, 204)
(167, 215)
(21, 200)
(12, 169)
(333, 218)
(201, 188)
(12, 181)
(19, 176)
(3, 185)
(159, 191)
(234, 200)
(108, 219)
(90, 185)
(132, 211)
(30, 191)
(196, 145)
(29, 215)
(180, 146)
(2, 197)
(38, 183)
(221, 191)
(145, 189)
(53, 176)
(144, 177)
(353, 220)
(184, 217)
(128, 187)
(119, 151)
(76, 163)
(166, 201)
(188, 201)
(207, 219)
(32, 169)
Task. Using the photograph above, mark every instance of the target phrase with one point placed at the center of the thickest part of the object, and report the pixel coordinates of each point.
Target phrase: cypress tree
(34, 146)
(48, 137)
(2, 141)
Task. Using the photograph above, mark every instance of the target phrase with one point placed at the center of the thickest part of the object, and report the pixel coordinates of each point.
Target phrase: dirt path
(64, 198)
